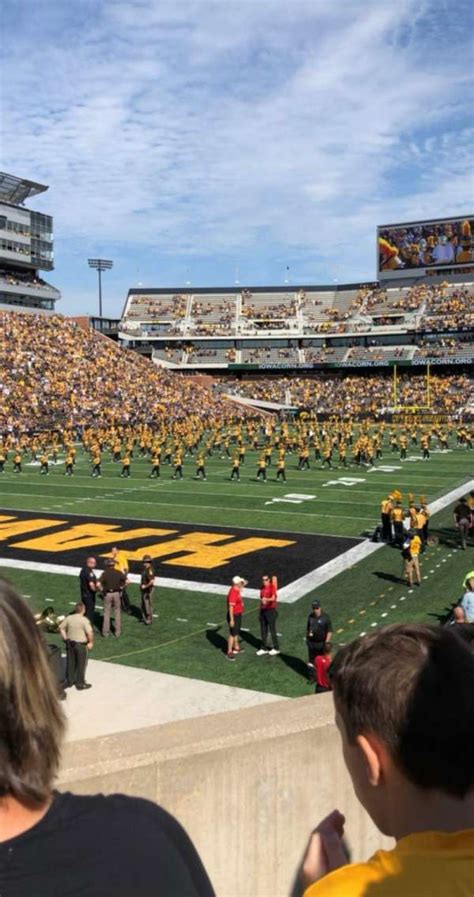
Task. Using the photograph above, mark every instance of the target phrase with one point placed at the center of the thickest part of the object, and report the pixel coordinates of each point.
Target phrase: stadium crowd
(28, 278)
(55, 373)
(344, 395)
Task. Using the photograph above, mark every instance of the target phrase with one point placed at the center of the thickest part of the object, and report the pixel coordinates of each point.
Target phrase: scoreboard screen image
(441, 243)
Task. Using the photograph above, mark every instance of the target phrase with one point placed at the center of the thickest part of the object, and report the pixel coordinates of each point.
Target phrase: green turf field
(188, 634)
(337, 509)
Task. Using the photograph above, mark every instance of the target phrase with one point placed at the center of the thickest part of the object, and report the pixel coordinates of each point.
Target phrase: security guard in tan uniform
(121, 564)
(76, 630)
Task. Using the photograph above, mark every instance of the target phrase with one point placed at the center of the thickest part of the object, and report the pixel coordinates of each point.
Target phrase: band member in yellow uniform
(425, 447)
(3, 458)
(327, 455)
(96, 461)
(403, 447)
(155, 466)
(178, 465)
(397, 520)
(126, 463)
(17, 462)
(200, 469)
(386, 508)
(342, 454)
(69, 465)
(303, 463)
(281, 475)
(235, 472)
(262, 469)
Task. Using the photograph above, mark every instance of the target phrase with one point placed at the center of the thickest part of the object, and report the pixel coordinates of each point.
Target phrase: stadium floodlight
(100, 265)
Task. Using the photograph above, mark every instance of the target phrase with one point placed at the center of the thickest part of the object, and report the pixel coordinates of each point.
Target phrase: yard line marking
(181, 620)
(173, 641)
(235, 509)
(256, 529)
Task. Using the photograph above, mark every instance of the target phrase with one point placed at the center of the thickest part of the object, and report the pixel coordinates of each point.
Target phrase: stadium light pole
(100, 265)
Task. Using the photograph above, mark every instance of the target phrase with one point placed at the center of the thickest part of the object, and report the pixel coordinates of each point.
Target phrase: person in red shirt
(322, 662)
(268, 615)
(235, 609)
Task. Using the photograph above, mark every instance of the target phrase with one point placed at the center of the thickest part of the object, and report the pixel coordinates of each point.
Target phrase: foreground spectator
(404, 700)
(59, 843)
(460, 626)
(467, 602)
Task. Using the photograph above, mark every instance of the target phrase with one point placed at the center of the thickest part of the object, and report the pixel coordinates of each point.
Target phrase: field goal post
(407, 413)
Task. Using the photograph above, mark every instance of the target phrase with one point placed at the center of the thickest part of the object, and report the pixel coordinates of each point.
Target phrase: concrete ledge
(248, 785)
(137, 698)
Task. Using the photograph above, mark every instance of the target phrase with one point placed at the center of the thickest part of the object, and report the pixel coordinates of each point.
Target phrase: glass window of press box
(16, 228)
(41, 226)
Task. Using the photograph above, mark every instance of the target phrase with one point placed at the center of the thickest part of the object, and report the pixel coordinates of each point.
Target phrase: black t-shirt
(86, 577)
(462, 511)
(464, 631)
(318, 627)
(103, 847)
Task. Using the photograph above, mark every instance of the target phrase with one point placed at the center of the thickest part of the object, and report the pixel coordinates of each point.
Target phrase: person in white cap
(235, 609)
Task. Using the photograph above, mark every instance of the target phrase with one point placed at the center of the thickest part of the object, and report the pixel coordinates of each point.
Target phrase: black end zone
(214, 560)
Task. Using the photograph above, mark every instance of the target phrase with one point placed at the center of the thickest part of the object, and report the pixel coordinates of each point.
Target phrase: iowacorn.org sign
(179, 551)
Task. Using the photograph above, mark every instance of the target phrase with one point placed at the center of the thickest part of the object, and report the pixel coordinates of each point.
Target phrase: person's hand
(325, 850)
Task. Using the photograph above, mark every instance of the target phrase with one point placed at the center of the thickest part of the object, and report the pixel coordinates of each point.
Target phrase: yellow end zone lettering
(87, 534)
(206, 555)
(16, 527)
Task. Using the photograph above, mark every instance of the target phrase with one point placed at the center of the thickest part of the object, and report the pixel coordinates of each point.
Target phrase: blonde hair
(31, 719)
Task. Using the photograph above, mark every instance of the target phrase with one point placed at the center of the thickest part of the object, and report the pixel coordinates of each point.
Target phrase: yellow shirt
(426, 864)
(121, 562)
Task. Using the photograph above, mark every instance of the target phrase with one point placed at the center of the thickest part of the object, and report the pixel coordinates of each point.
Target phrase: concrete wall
(248, 785)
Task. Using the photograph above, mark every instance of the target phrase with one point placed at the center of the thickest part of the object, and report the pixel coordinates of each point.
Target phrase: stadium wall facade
(248, 785)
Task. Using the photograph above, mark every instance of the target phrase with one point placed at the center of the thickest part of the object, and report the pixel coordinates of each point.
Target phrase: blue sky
(206, 141)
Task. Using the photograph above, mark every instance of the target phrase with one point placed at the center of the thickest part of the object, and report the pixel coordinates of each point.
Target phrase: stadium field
(202, 533)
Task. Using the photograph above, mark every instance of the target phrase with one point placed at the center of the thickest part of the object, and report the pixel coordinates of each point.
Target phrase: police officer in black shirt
(318, 632)
(89, 586)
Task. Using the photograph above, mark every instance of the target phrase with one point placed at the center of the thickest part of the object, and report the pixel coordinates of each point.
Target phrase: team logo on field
(211, 554)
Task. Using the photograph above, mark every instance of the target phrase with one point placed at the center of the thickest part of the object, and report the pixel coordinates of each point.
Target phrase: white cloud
(207, 128)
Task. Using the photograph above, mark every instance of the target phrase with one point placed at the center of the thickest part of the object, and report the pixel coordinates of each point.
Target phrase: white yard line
(196, 507)
(163, 582)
